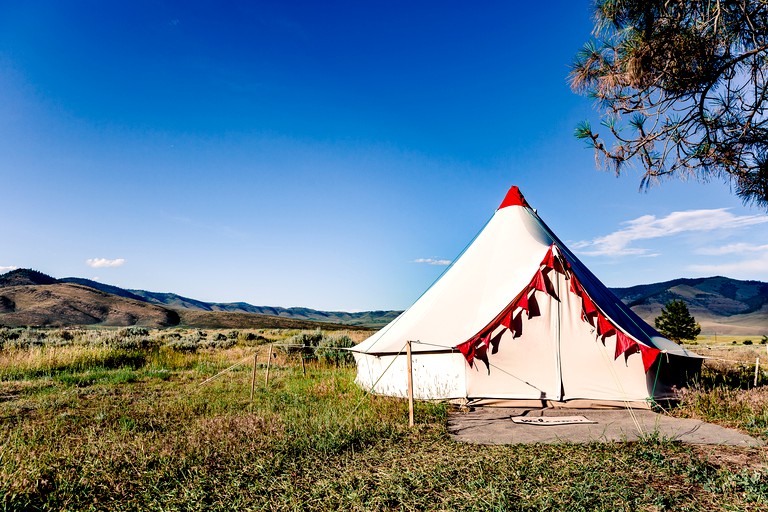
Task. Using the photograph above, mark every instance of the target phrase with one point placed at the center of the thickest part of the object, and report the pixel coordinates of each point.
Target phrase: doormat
(551, 420)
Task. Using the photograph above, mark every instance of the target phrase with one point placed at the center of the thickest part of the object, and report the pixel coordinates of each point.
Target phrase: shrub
(714, 375)
(303, 343)
(135, 331)
(218, 341)
(64, 335)
(130, 338)
(250, 339)
(747, 342)
(195, 340)
(8, 335)
(329, 350)
(26, 339)
(188, 345)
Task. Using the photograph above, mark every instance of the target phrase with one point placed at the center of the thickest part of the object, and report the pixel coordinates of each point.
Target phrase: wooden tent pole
(410, 384)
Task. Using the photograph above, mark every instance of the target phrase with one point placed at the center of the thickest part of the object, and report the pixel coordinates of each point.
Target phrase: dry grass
(161, 441)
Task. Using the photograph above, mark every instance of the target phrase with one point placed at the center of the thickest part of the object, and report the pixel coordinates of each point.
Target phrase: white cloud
(104, 263)
(740, 248)
(648, 227)
(432, 261)
(3, 270)
(745, 269)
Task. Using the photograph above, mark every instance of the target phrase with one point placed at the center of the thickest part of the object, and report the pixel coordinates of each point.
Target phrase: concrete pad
(493, 425)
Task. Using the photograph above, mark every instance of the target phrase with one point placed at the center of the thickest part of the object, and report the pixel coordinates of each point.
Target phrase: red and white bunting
(478, 344)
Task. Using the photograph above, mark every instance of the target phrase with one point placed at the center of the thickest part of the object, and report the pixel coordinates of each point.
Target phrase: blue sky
(333, 155)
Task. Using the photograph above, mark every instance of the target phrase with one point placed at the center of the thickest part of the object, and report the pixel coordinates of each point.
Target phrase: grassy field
(120, 420)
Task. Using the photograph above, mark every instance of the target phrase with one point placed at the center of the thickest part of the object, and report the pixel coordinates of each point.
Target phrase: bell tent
(518, 317)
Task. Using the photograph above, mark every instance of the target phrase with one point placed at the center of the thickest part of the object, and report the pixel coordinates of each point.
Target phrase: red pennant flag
(537, 283)
(604, 327)
(549, 259)
(649, 355)
(468, 349)
(523, 301)
(623, 344)
(576, 286)
(589, 308)
(506, 320)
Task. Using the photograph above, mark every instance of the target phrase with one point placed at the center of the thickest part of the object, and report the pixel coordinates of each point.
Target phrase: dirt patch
(750, 459)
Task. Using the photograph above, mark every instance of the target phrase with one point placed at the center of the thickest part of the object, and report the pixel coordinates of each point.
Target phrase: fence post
(757, 366)
(269, 363)
(410, 384)
(253, 376)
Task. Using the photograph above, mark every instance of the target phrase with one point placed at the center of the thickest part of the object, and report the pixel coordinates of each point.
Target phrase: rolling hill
(178, 302)
(720, 304)
(72, 304)
(31, 298)
(27, 297)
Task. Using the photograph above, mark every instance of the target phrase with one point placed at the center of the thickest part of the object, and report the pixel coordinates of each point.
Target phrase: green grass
(151, 437)
(98, 376)
(48, 365)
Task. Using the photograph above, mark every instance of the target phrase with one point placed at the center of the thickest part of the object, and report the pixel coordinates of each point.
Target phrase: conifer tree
(682, 86)
(676, 323)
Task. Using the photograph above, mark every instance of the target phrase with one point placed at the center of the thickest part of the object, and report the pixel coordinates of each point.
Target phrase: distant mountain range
(28, 297)
(720, 304)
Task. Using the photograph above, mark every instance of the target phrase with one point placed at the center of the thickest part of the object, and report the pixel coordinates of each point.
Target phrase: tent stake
(757, 365)
(253, 376)
(410, 384)
(269, 362)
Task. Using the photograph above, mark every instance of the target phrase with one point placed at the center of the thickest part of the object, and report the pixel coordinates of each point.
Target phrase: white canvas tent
(518, 317)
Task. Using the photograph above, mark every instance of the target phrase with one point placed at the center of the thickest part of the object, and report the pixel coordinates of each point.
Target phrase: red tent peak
(514, 198)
